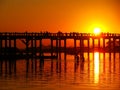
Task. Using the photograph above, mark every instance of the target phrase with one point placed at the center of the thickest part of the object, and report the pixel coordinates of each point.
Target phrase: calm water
(96, 73)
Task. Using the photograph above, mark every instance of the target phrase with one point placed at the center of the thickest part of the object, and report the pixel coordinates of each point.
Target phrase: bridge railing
(48, 34)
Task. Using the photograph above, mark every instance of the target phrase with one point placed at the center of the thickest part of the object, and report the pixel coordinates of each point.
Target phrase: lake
(99, 71)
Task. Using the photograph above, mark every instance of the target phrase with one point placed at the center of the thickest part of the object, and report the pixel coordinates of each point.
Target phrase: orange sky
(63, 15)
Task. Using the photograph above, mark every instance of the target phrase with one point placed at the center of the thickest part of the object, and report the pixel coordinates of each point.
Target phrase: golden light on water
(96, 67)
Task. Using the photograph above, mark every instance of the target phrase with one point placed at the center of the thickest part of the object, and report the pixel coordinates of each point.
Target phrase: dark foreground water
(99, 72)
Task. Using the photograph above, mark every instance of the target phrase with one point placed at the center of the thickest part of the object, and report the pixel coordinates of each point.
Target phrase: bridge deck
(8, 43)
(59, 35)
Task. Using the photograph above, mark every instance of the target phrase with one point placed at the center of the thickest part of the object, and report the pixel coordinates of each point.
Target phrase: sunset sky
(60, 15)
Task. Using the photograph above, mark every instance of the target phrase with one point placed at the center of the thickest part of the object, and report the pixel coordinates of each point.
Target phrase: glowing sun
(97, 31)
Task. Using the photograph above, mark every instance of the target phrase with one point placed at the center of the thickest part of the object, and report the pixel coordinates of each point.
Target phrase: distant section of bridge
(87, 42)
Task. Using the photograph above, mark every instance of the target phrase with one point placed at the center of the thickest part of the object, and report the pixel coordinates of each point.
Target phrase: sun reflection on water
(96, 67)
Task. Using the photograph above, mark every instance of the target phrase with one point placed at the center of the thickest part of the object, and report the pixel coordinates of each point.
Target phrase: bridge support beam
(98, 43)
(88, 48)
(119, 52)
(60, 49)
(82, 47)
(40, 45)
(27, 47)
(35, 45)
(9, 43)
(93, 43)
(114, 49)
(65, 49)
(0, 46)
(110, 48)
(57, 47)
(51, 47)
(88, 44)
(6, 46)
(114, 41)
(15, 46)
(75, 48)
(32, 47)
(103, 44)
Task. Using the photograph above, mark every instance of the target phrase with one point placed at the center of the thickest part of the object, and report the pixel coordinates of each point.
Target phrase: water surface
(99, 72)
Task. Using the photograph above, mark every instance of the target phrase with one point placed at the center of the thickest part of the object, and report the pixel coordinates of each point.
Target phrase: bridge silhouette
(9, 48)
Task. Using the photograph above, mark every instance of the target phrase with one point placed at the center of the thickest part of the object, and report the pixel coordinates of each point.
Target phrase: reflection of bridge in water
(9, 46)
(36, 67)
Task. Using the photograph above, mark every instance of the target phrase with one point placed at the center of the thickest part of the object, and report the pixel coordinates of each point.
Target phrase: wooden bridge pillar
(88, 44)
(0, 46)
(74, 43)
(110, 48)
(35, 45)
(114, 48)
(40, 43)
(114, 40)
(104, 53)
(10, 46)
(51, 47)
(32, 47)
(5, 53)
(65, 49)
(99, 43)
(103, 43)
(9, 43)
(59, 48)
(81, 47)
(5, 46)
(104, 49)
(88, 49)
(15, 46)
(27, 46)
(9, 40)
(75, 48)
(119, 48)
(110, 45)
(59, 44)
(93, 43)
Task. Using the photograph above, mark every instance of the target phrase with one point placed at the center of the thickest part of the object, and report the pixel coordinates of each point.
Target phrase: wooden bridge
(8, 42)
